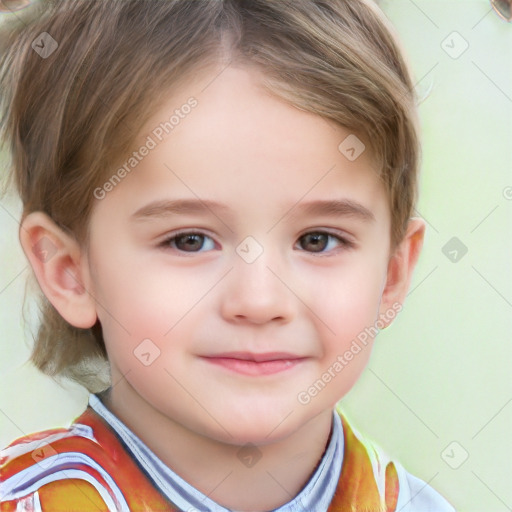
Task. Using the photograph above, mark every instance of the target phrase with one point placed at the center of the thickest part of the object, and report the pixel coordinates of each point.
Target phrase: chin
(259, 428)
(242, 435)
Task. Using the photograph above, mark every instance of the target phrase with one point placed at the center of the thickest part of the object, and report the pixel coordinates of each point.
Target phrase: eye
(188, 242)
(193, 242)
(319, 241)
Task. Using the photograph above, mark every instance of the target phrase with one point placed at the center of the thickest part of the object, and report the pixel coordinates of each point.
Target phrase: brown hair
(68, 118)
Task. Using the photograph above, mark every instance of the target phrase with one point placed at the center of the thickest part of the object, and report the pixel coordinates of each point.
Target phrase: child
(279, 137)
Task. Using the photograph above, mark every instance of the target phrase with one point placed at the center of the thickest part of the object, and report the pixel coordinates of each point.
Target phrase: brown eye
(188, 242)
(323, 242)
(314, 242)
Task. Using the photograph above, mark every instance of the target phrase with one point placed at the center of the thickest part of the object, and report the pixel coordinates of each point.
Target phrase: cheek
(145, 311)
(143, 295)
(348, 331)
(348, 309)
(348, 300)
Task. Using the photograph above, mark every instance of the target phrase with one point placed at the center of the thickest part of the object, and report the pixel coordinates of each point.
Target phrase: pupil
(317, 240)
(190, 241)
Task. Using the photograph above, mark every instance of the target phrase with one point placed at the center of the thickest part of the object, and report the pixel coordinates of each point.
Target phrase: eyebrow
(165, 208)
(336, 208)
(331, 208)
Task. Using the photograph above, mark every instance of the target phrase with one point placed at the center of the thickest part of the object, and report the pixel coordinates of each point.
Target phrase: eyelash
(166, 243)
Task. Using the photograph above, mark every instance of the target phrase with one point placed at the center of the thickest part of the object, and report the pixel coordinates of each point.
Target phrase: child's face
(251, 283)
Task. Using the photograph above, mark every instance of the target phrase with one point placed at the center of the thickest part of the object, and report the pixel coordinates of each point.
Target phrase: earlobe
(400, 268)
(60, 268)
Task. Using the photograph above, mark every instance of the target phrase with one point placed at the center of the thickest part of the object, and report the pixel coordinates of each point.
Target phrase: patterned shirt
(100, 460)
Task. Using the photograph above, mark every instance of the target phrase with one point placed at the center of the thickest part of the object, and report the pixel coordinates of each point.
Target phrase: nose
(256, 292)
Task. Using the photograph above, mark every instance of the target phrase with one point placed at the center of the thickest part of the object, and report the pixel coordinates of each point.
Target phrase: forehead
(239, 141)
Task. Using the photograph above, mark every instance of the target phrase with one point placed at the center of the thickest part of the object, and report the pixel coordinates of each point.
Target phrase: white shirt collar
(316, 495)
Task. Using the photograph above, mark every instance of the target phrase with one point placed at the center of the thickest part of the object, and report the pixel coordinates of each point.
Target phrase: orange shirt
(85, 467)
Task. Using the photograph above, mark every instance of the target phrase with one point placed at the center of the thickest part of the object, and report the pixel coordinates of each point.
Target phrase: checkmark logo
(352, 147)
(455, 455)
(44, 45)
(249, 249)
(44, 455)
(147, 352)
(249, 455)
(454, 249)
(454, 45)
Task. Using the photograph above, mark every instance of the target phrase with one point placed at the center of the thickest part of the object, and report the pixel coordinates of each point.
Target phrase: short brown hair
(67, 119)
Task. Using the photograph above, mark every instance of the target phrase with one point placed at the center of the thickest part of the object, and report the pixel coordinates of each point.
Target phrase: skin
(263, 159)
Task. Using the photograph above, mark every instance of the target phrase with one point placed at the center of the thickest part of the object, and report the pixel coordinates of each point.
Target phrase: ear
(60, 268)
(400, 269)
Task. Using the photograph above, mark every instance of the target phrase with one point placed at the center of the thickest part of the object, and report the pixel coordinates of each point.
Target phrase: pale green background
(442, 372)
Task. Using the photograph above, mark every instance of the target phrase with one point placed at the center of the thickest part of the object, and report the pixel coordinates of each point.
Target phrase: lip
(248, 363)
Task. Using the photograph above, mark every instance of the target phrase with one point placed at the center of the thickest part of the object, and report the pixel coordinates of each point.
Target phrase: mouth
(252, 364)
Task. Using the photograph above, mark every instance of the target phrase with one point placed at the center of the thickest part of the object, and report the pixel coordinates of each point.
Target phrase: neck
(243, 478)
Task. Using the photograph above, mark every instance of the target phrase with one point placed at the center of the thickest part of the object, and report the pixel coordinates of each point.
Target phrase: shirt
(21, 488)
